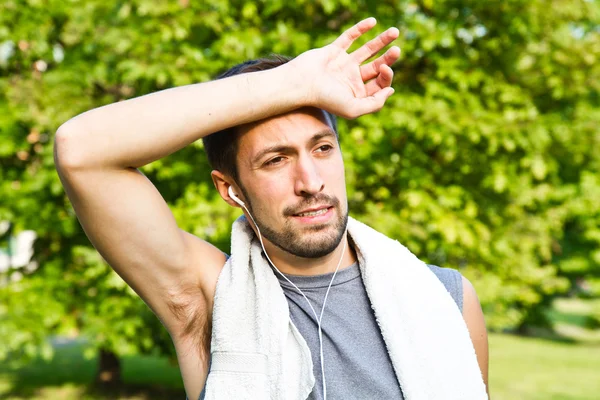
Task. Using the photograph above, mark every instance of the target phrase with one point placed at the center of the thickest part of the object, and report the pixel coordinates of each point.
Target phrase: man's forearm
(138, 131)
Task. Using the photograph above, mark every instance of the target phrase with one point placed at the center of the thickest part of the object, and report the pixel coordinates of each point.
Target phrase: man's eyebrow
(321, 135)
(282, 148)
(277, 148)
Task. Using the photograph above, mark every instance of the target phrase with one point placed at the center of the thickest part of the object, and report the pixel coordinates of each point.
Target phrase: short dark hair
(221, 147)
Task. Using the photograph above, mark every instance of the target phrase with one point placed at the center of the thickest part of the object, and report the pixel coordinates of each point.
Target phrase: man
(278, 126)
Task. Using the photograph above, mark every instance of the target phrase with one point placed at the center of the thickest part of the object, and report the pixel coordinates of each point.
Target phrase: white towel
(257, 352)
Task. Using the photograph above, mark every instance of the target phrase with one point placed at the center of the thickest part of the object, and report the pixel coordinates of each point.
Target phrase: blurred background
(486, 160)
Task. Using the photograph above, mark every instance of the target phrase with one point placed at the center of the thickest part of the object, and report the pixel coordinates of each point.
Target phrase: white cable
(319, 319)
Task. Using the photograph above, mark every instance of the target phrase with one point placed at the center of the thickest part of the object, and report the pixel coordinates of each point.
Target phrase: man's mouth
(313, 213)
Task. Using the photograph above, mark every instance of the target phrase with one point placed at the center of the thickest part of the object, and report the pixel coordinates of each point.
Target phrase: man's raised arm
(138, 131)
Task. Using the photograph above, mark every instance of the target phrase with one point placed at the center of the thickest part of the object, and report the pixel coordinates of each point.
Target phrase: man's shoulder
(452, 280)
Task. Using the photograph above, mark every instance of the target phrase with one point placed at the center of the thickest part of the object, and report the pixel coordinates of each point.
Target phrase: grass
(540, 369)
(562, 365)
(566, 367)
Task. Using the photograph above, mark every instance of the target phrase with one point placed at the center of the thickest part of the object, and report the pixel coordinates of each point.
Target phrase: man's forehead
(295, 127)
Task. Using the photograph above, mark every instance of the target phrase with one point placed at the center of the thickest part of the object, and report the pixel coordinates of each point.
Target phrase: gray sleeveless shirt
(357, 364)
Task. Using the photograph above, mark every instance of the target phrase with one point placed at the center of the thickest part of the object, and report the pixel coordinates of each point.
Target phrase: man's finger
(374, 46)
(370, 104)
(349, 36)
(371, 70)
(384, 79)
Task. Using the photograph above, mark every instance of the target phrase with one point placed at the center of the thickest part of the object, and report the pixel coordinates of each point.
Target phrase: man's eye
(274, 161)
(325, 148)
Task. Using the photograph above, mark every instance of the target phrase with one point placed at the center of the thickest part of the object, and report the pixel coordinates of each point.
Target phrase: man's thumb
(373, 103)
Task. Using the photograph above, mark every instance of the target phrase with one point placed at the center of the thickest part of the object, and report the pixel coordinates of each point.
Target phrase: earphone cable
(318, 318)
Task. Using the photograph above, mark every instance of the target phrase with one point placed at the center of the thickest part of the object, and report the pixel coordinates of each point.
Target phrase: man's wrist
(294, 86)
(264, 94)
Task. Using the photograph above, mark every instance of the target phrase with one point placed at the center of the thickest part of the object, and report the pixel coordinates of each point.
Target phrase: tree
(484, 160)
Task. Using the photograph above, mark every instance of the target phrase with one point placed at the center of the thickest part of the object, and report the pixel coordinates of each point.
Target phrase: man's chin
(311, 251)
(320, 244)
(307, 240)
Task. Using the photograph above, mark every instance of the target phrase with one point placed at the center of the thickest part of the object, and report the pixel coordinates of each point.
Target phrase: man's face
(292, 176)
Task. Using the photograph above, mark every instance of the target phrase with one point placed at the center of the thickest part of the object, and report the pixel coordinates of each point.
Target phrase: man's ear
(222, 183)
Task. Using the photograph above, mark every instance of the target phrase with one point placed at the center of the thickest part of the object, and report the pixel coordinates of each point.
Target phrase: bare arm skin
(98, 152)
(473, 316)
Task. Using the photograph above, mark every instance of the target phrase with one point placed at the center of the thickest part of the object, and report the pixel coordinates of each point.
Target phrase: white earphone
(234, 197)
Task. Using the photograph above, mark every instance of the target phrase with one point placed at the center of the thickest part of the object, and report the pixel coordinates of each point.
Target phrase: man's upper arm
(130, 224)
(473, 316)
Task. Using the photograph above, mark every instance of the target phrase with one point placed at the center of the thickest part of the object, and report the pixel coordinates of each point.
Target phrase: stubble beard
(311, 242)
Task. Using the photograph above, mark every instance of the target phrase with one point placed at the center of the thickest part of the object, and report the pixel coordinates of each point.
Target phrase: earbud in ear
(234, 197)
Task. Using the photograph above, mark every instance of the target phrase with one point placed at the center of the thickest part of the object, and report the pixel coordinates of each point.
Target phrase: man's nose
(308, 180)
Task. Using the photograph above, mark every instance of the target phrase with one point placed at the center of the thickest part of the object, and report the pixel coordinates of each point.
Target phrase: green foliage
(484, 160)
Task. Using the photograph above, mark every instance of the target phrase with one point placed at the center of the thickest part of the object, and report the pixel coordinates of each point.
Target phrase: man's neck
(293, 265)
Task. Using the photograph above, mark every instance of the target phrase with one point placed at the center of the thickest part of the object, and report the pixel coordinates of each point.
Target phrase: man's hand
(338, 83)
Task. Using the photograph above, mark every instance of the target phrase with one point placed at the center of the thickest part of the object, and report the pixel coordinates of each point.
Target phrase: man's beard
(302, 243)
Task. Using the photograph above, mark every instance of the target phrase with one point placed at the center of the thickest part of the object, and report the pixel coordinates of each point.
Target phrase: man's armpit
(192, 319)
